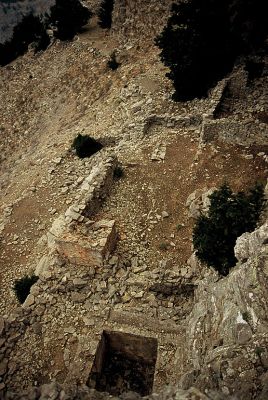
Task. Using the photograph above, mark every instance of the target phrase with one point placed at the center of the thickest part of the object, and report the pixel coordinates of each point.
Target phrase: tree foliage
(105, 14)
(68, 16)
(229, 216)
(86, 146)
(30, 30)
(203, 38)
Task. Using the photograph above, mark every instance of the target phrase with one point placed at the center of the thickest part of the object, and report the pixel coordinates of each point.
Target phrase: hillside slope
(167, 150)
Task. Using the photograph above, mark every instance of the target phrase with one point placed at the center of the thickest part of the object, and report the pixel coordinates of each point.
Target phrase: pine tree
(68, 16)
(229, 216)
(203, 38)
(105, 14)
(30, 30)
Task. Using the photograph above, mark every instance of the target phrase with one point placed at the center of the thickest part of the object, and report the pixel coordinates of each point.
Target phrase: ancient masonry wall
(93, 191)
(140, 19)
(230, 130)
(233, 128)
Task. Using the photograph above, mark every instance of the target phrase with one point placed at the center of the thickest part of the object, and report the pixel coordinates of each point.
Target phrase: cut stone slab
(91, 249)
(159, 152)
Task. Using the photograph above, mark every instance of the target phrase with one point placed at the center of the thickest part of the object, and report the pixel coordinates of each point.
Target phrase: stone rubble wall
(94, 189)
(89, 248)
(233, 128)
(171, 121)
(140, 19)
(56, 392)
(234, 131)
(13, 327)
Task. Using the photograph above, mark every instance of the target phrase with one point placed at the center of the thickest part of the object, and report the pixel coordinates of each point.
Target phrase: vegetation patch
(66, 18)
(30, 30)
(86, 146)
(112, 63)
(105, 14)
(203, 38)
(163, 246)
(118, 172)
(229, 216)
(22, 287)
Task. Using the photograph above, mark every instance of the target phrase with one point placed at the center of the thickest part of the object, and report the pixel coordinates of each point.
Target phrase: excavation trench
(123, 363)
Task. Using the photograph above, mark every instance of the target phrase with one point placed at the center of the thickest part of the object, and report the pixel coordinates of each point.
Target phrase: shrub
(163, 246)
(105, 14)
(179, 226)
(86, 146)
(229, 216)
(22, 287)
(113, 63)
(118, 172)
(254, 69)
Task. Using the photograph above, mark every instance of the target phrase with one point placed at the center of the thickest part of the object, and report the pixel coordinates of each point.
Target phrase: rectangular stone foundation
(124, 362)
(88, 249)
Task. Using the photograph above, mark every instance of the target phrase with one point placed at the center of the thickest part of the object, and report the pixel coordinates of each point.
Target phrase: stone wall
(234, 113)
(55, 391)
(93, 242)
(140, 19)
(234, 130)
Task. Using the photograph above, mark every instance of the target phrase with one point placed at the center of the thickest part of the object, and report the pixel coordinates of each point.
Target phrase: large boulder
(250, 244)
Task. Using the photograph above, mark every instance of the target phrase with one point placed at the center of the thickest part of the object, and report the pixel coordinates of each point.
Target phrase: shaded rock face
(12, 12)
(227, 329)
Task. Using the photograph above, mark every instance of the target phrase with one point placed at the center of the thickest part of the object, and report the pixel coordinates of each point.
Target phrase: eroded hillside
(167, 150)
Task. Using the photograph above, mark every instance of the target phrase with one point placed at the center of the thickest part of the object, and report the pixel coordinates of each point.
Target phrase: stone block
(91, 249)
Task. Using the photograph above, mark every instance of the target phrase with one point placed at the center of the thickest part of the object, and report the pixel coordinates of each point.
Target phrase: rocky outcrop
(252, 243)
(198, 202)
(227, 329)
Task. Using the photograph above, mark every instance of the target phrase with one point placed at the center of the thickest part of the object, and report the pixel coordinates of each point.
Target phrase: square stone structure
(90, 248)
(124, 362)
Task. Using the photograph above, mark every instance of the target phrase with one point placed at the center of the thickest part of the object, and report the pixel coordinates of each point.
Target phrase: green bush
(22, 287)
(30, 29)
(112, 63)
(118, 172)
(86, 146)
(229, 216)
(105, 14)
